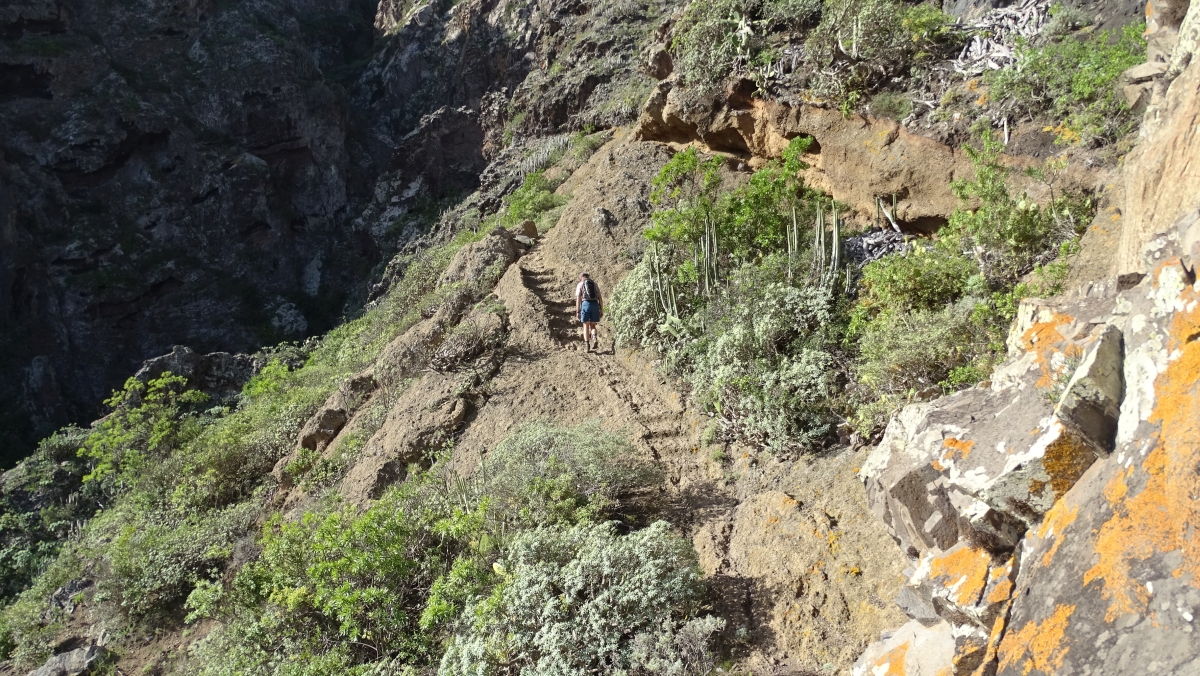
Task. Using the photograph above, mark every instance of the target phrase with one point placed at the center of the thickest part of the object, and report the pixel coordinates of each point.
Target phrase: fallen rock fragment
(76, 662)
(912, 649)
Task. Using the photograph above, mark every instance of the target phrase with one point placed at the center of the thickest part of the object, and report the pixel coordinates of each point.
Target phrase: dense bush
(531, 201)
(1011, 235)
(543, 474)
(891, 105)
(1073, 82)
(183, 485)
(577, 600)
(935, 317)
(148, 421)
(41, 501)
(711, 36)
(469, 564)
(739, 294)
(861, 44)
(763, 356)
(343, 587)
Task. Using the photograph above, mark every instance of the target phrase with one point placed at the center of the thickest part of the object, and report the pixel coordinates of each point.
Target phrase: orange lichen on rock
(964, 571)
(1157, 520)
(987, 668)
(958, 449)
(1061, 515)
(1001, 589)
(1040, 339)
(1038, 645)
(892, 663)
(1065, 460)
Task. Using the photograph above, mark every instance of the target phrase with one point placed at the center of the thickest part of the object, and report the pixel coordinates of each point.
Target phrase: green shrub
(1064, 20)
(634, 308)
(153, 560)
(906, 352)
(1073, 83)
(327, 592)
(544, 475)
(41, 499)
(891, 105)
(581, 600)
(534, 197)
(935, 317)
(30, 625)
(920, 279)
(1011, 234)
(269, 380)
(147, 422)
(711, 36)
(861, 44)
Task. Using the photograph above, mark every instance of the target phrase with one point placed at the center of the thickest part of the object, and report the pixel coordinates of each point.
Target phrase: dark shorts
(589, 311)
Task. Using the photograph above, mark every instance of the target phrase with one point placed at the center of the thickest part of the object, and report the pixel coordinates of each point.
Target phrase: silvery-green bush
(634, 310)
(544, 474)
(586, 599)
(765, 364)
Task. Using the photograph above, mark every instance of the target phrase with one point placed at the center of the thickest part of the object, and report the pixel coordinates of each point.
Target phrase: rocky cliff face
(171, 173)
(228, 176)
(1047, 515)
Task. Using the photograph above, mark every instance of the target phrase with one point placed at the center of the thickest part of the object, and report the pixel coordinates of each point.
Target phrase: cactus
(827, 248)
(664, 289)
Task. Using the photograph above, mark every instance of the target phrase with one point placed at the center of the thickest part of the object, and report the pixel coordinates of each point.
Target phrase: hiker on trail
(588, 303)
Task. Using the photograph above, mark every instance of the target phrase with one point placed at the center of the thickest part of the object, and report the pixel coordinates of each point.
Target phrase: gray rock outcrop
(1049, 517)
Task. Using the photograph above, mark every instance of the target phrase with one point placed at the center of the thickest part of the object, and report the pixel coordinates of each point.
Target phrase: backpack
(589, 290)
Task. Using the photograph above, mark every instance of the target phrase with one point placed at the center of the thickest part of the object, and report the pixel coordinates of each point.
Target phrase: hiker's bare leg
(585, 331)
(589, 332)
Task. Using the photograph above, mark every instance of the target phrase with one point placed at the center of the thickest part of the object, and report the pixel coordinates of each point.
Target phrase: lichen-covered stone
(1110, 581)
(985, 464)
(966, 584)
(912, 649)
(1091, 401)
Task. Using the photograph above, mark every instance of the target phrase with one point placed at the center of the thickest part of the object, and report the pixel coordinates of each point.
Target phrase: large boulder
(1104, 578)
(218, 374)
(986, 463)
(1111, 580)
(494, 252)
(77, 662)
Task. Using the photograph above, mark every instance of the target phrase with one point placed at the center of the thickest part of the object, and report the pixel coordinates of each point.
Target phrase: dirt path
(799, 566)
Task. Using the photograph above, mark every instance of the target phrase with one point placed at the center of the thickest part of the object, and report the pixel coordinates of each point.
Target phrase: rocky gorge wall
(227, 176)
(1048, 514)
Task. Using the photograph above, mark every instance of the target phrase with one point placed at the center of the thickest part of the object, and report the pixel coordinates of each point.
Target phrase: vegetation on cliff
(748, 297)
(181, 486)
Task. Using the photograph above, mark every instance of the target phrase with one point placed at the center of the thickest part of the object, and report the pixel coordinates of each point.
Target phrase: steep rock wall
(229, 176)
(1048, 517)
(1162, 175)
